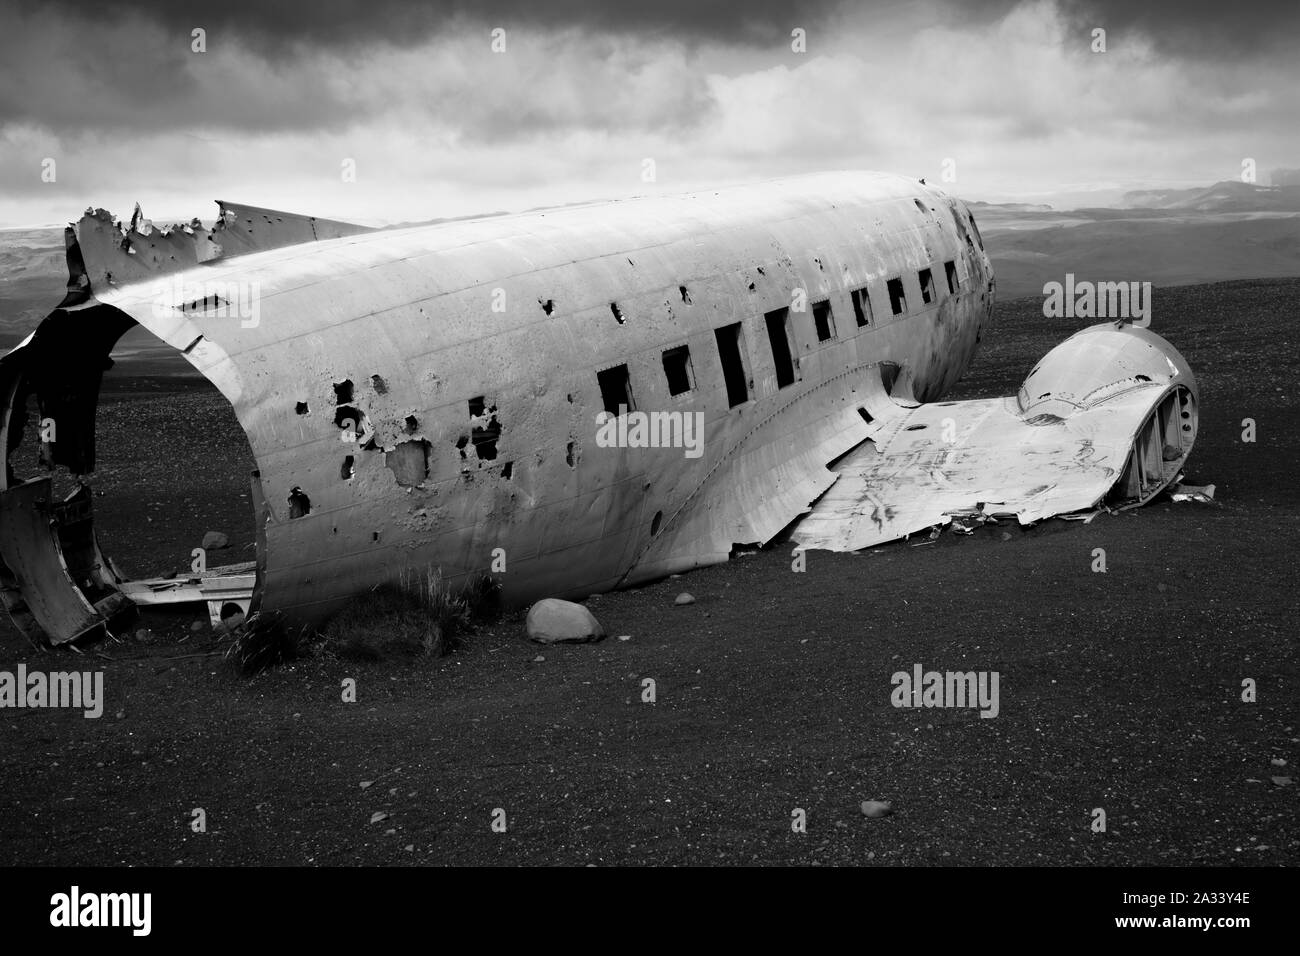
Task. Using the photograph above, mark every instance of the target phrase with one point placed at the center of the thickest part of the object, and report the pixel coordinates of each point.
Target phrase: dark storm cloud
(344, 23)
(1210, 29)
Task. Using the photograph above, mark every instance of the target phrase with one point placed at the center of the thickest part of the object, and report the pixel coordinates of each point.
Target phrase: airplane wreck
(431, 396)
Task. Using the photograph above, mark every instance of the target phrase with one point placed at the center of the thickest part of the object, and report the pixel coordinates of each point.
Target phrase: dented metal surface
(1109, 412)
(429, 396)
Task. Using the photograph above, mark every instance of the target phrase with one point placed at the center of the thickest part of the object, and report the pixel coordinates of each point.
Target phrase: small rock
(552, 621)
(409, 847)
(877, 808)
(214, 541)
(538, 659)
(625, 637)
(1282, 781)
(378, 816)
(196, 626)
(1006, 535)
(366, 783)
(1278, 762)
(684, 598)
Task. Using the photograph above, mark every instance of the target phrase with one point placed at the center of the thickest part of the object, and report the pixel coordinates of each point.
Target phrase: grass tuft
(261, 642)
(415, 616)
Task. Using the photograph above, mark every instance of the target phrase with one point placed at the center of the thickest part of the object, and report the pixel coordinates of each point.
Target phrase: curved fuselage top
(434, 396)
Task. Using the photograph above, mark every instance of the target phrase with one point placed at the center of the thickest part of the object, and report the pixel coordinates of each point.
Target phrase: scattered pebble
(378, 816)
(684, 598)
(877, 808)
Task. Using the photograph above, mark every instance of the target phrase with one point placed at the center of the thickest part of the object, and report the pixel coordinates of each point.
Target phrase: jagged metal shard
(429, 396)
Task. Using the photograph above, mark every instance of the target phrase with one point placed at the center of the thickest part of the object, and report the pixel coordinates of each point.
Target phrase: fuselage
(434, 397)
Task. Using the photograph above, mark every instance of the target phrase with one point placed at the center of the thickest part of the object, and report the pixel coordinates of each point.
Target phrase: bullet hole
(1143, 378)
(380, 386)
(618, 314)
(485, 437)
(374, 536)
(866, 415)
(568, 455)
(343, 392)
(751, 287)
(686, 296)
(461, 442)
(409, 462)
(914, 428)
(1044, 395)
(347, 471)
(301, 408)
(631, 263)
(761, 272)
(569, 396)
(412, 424)
(816, 260)
(655, 523)
(548, 306)
(507, 470)
(299, 503)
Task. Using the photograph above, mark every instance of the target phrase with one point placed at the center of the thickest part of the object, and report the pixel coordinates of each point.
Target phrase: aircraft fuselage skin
(434, 397)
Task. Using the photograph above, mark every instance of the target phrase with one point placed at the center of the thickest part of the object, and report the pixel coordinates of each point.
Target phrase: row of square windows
(616, 384)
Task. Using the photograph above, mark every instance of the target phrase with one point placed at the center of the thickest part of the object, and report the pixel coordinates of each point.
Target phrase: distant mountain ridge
(1225, 196)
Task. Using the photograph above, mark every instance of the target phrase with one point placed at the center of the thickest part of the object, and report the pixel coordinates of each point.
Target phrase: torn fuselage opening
(57, 407)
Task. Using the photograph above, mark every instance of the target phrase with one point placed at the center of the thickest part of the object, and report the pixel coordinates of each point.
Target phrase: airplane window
(677, 369)
(731, 351)
(823, 320)
(950, 271)
(926, 279)
(778, 335)
(897, 300)
(616, 389)
(862, 306)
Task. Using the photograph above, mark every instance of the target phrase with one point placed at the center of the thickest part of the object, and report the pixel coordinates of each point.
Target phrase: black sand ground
(1119, 691)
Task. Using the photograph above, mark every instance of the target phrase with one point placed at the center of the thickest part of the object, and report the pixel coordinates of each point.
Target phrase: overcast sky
(438, 124)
